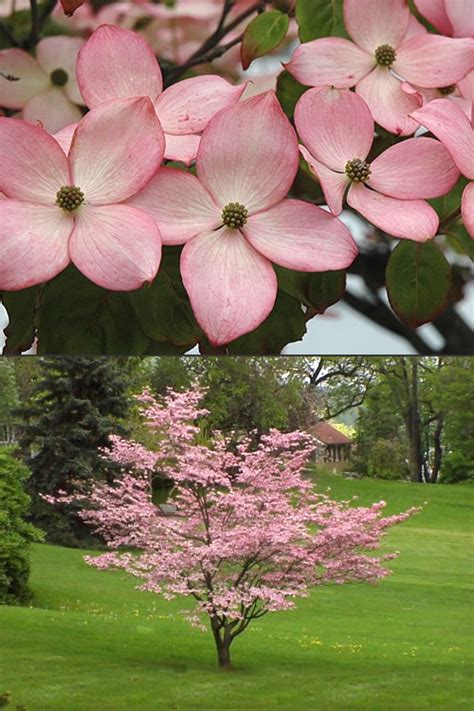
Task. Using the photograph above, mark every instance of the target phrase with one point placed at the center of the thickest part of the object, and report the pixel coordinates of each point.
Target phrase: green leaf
(288, 92)
(326, 288)
(78, 317)
(262, 35)
(295, 284)
(418, 279)
(285, 324)
(21, 307)
(319, 18)
(163, 309)
(459, 240)
(450, 202)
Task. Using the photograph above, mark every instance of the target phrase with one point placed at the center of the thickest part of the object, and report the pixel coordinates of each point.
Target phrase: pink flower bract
(117, 63)
(71, 208)
(337, 130)
(384, 51)
(234, 220)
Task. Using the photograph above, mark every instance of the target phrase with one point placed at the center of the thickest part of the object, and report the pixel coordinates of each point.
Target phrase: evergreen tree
(76, 404)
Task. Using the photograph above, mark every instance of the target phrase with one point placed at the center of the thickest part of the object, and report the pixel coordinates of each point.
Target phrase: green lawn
(92, 642)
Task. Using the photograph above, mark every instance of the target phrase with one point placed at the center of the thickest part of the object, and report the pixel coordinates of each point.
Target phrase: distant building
(8, 433)
(331, 444)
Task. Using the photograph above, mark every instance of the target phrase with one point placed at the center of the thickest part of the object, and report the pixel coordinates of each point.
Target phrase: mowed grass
(92, 642)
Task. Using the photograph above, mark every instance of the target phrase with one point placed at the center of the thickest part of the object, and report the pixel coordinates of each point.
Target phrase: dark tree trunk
(413, 423)
(223, 641)
(438, 450)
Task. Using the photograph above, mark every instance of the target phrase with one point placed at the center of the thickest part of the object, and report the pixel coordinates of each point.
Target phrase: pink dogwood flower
(448, 122)
(117, 63)
(337, 129)
(451, 17)
(234, 220)
(383, 53)
(71, 208)
(46, 88)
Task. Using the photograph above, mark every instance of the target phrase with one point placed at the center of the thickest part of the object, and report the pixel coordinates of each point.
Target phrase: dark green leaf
(325, 288)
(295, 284)
(163, 310)
(21, 307)
(262, 35)
(288, 92)
(78, 317)
(319, 18)
(418, 279)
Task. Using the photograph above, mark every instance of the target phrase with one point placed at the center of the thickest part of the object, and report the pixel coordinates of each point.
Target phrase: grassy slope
(94, 643)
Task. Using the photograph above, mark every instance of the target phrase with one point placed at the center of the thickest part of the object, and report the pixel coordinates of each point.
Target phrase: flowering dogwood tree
(230, 235)
(247, 535)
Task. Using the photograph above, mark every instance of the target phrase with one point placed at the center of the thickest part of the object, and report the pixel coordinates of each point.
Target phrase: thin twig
(8, 35)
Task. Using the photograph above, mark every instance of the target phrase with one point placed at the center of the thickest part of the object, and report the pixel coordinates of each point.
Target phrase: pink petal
(52, 109)
(232, 288)
(116, 63)
(335, 124)
(331, 60)
(415, 28)
(249, 154)
(435, 12)
(461, 17)
(433, 61)
(407, 219)
(116, 149)
(61, 53)
(181, 206)
(387, 101)
(372, 23)
(33, 243)
(467, 208)
(182, 148)
(449, 123)
(31, 78)
(189, 105)
(64, 137)
(333, 184)
(417, 168)
(301, 236)
(33, 166)
(116, 246)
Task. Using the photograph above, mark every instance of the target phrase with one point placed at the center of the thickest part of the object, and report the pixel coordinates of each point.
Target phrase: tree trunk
(413, 424)
(438, 450)
(223, 642)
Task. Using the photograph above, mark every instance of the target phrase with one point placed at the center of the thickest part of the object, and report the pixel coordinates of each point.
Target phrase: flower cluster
(101, 166)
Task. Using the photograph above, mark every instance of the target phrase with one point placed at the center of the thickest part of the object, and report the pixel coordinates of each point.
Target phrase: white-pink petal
(332, 61)
(116, 149)
(335, 124)
(407, 219)
(64, 137)
(117, 247)
(450, 124)
(301, 236)
(31, 79)
(32, 167)
(467, 208)
(433, 61)
(61, 53)
(33, 243)
(52, 109)
(189, 105)
(372, 23)
(435, 12)
(418, 168)
(461, 17)
(388, 102)
(182, 148)
(249, 154)
(116, 63)
(333, 184)
(232, 288)
(181, 206)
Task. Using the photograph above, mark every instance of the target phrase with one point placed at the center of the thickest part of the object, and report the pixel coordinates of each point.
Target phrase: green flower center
(69, 197)
(447, 90)
(59, 77)
(385, 55)
(357, 170)
(234, 215)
